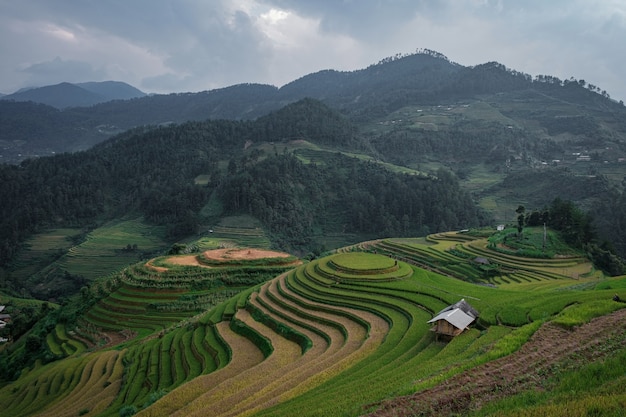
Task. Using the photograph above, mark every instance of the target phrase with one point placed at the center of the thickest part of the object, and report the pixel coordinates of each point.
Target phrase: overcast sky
(163, 46)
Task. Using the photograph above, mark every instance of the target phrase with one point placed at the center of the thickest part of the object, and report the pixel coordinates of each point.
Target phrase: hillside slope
(338, 336)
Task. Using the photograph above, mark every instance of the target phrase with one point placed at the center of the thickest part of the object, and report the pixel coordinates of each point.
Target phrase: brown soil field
(551, 347)
(227, 254)
(185, 260)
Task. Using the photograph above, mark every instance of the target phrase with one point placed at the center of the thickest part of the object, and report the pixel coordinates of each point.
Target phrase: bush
(128, 410)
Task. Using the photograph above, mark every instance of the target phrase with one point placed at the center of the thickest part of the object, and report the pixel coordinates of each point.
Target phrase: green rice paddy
(357, 320)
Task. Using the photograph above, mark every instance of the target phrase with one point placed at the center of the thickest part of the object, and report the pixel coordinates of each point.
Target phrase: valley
(270, 251)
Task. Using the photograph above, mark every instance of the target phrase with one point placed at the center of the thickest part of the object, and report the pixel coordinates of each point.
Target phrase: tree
(520, 219)
(33, 343)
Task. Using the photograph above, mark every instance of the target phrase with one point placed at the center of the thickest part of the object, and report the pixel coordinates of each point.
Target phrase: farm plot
(327, 338)
(339, 336)
(470, 259)
(163, 292)
(239, 231)
(61, 344)
(40, 250)
(174, 358)
(65, 388)
(133, 308)
(104, 251)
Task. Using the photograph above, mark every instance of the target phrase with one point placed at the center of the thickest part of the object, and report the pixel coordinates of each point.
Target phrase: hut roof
(457, 317)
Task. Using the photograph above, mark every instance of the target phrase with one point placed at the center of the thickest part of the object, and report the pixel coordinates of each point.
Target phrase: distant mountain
(66, 95)
(365, 95)
(113, 90)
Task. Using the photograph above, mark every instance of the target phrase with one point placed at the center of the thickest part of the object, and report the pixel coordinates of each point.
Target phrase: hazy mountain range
(66, 95)
(92, 112)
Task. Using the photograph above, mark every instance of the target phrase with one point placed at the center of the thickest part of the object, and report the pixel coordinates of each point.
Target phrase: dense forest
(293, 198)
(151, 171)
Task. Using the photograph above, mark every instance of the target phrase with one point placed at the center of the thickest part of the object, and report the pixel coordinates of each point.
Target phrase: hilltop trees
(293, 199)
(520, 219)
(577, 228)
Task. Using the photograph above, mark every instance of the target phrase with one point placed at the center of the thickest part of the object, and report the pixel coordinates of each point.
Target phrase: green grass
(594, 389)
(578, 314)
(358, 261)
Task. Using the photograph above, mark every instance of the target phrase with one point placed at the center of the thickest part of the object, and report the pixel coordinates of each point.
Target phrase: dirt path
(520, 371)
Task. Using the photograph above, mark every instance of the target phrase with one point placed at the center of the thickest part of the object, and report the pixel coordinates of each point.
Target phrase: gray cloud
(58, 70)
(192, 45)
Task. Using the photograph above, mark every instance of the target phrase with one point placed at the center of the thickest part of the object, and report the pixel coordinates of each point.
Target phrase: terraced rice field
(60, 344)
(340, 324)
(101, 253)
(42, 249)
(468, 258)
(88, 382)
(333, 337)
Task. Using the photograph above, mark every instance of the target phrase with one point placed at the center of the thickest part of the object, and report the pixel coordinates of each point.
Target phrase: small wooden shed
(453, 320)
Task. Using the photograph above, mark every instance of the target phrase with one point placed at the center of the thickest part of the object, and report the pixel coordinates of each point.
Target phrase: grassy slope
(408, 353)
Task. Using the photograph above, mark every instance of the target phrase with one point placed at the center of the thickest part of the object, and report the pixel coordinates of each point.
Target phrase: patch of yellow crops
(99, 385)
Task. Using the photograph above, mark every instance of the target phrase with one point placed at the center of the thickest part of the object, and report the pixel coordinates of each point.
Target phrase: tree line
(578, 229)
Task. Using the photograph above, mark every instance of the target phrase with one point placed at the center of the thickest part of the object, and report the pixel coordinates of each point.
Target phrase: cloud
(193, 45)
(58, 70)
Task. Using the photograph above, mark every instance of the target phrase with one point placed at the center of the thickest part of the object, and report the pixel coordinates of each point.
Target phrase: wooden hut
(453, 320)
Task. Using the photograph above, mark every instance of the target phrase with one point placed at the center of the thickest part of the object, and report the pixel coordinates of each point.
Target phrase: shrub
(128, 410)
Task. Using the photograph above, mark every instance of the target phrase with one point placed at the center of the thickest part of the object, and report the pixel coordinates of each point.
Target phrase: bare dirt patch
(229, 254)
(221, 255)
(523, 370)
(187, 260)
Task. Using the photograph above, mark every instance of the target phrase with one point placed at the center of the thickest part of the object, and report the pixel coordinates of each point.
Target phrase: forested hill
(425, 78)
(510, 139)
(151, 172)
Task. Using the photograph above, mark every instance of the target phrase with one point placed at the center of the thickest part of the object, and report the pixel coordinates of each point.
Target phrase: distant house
(453, 320)
(500, 227)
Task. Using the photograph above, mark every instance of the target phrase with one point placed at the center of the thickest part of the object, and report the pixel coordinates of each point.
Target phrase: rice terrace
(252, 332)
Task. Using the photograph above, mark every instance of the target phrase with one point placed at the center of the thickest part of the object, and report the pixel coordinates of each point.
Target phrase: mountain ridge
(65, 95)
(365, 94)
